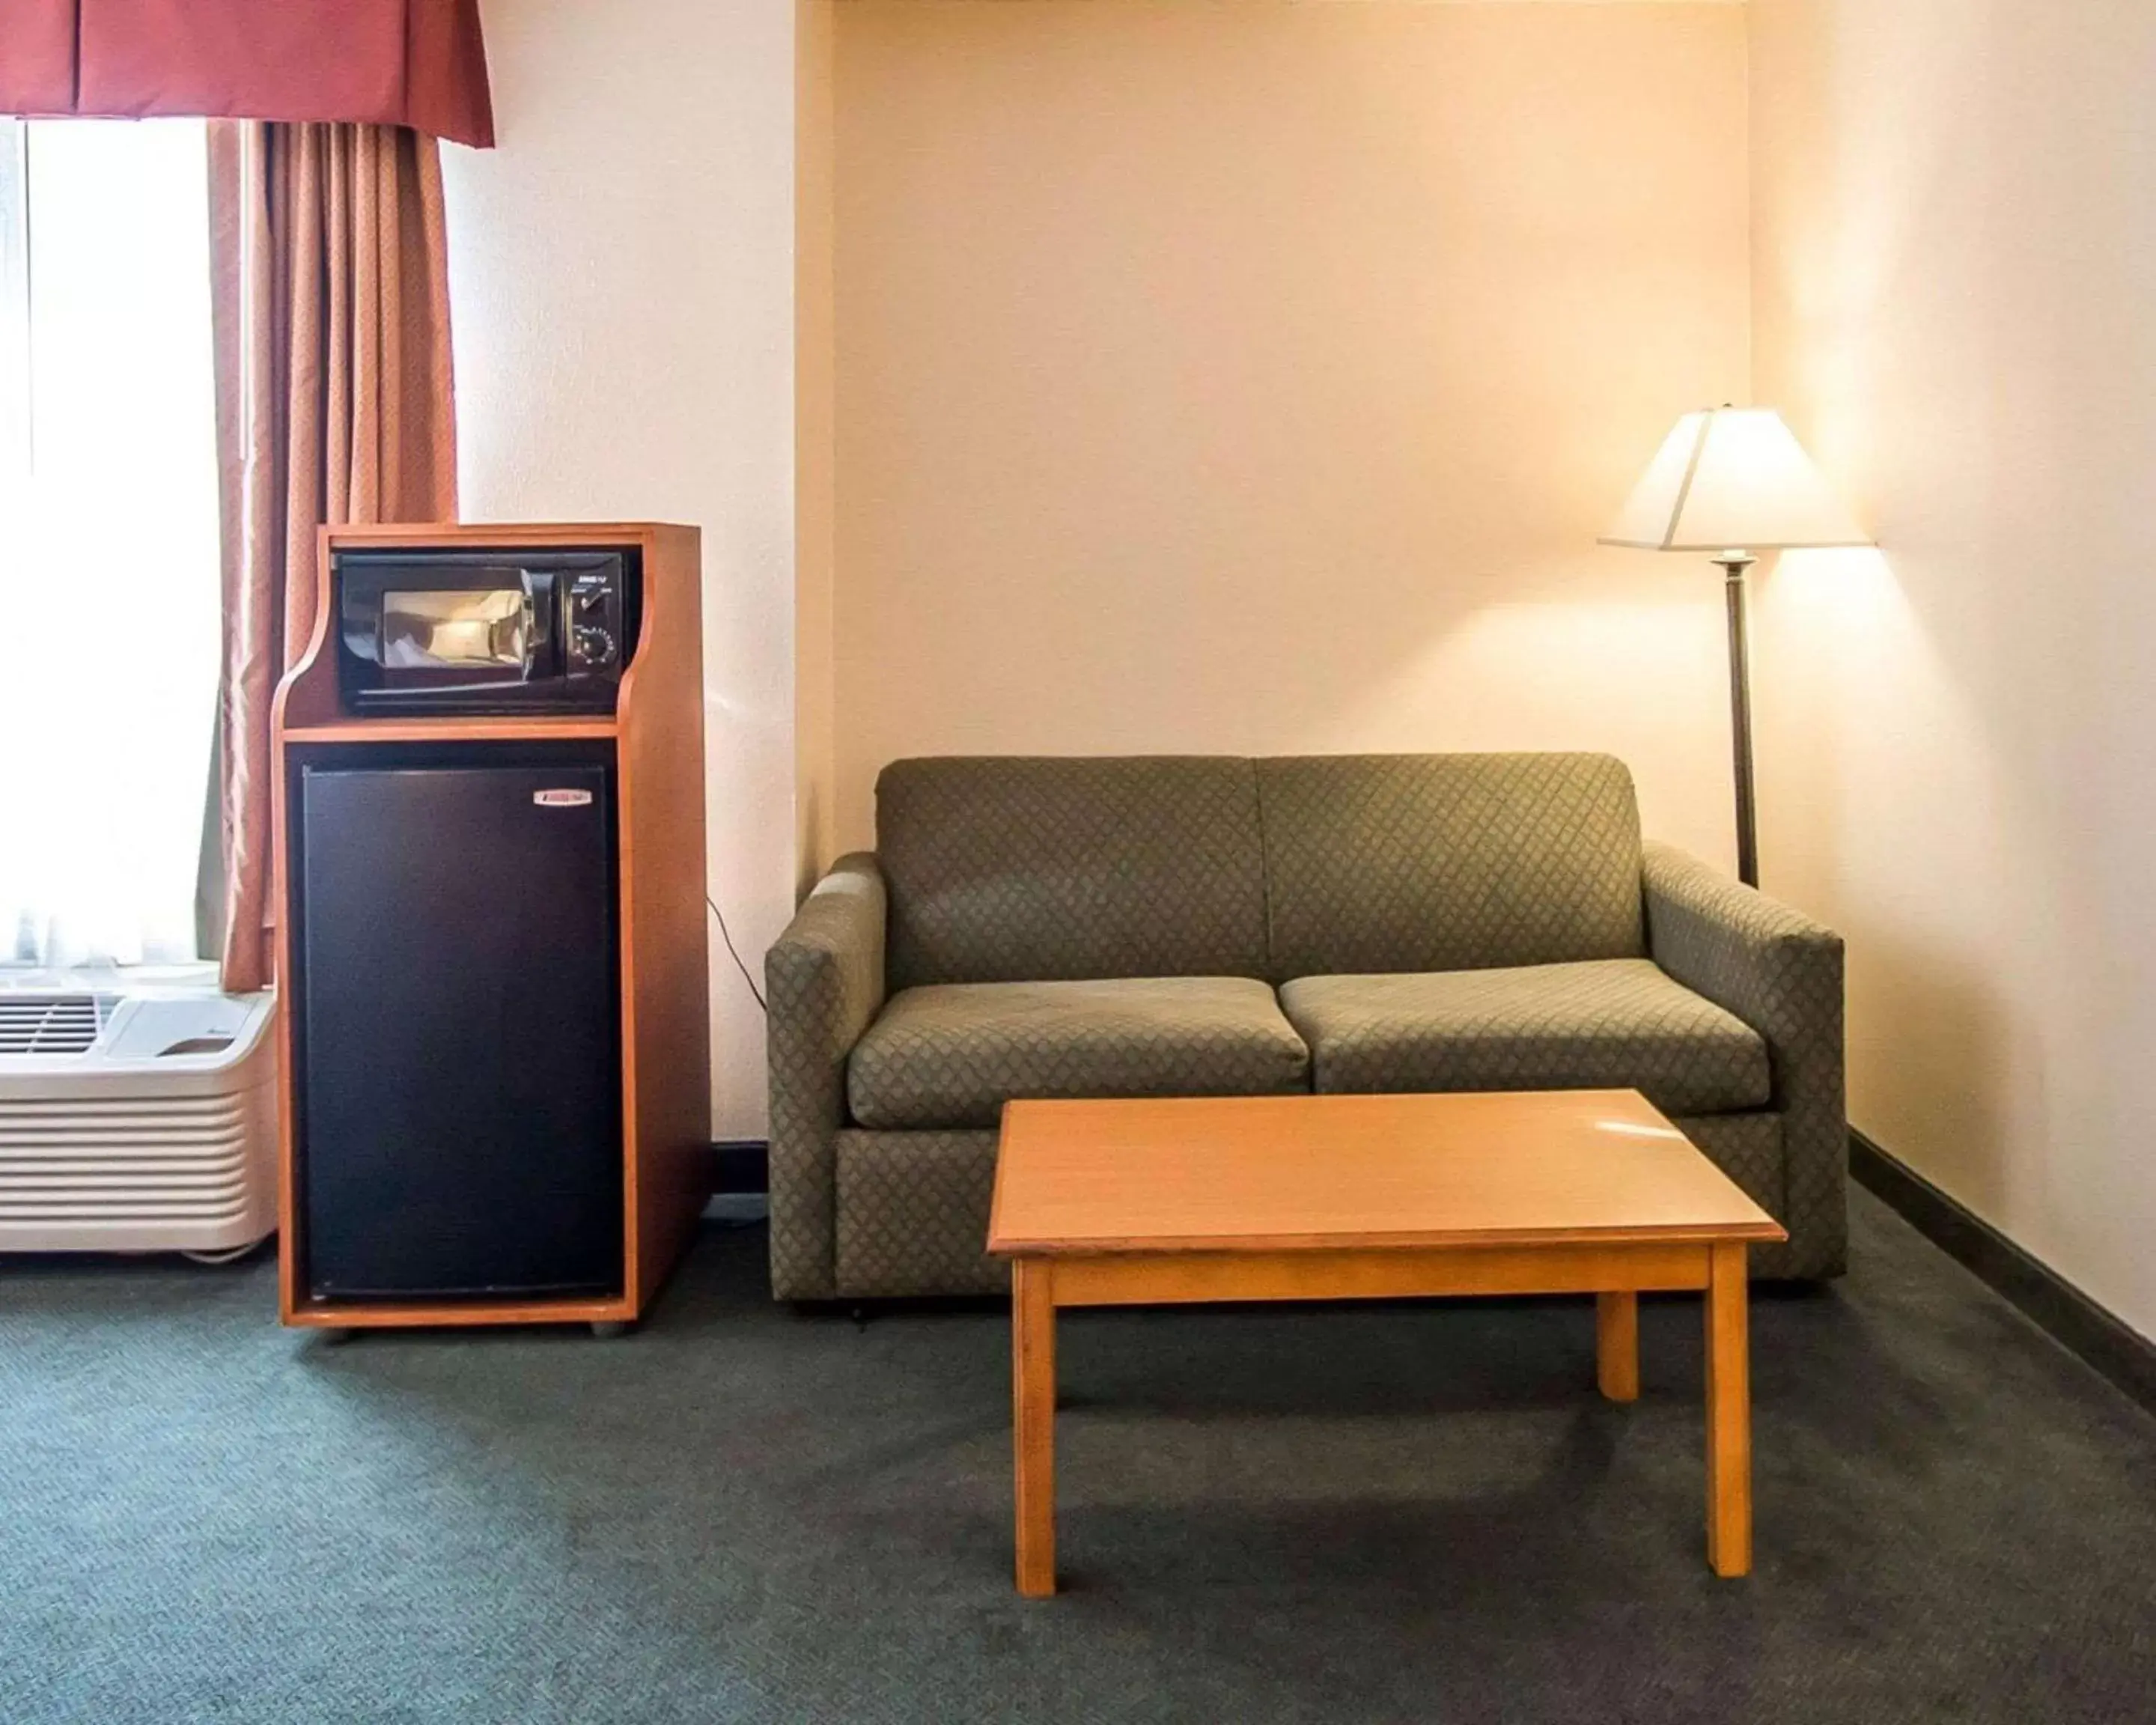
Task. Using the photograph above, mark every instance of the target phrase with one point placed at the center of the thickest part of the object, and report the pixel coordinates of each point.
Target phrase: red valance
(415, 63)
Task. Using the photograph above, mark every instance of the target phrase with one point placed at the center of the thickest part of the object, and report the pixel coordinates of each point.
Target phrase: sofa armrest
(824, 983)
(1781, 973)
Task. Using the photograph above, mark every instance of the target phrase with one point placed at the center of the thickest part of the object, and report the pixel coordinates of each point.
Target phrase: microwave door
(446, 639)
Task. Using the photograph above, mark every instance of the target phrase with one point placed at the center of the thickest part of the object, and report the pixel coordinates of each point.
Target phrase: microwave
(464, 631)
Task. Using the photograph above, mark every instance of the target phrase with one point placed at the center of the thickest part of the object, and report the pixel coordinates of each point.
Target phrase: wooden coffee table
(1371, 1197)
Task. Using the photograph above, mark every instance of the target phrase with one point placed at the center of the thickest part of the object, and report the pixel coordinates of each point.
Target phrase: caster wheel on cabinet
(336, 1336)
(606, 1329)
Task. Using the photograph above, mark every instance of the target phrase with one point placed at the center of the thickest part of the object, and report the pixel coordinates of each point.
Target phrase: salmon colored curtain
(329, 280)
(416, 63)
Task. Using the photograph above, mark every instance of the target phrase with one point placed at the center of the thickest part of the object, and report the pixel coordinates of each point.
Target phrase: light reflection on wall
(1640, 679)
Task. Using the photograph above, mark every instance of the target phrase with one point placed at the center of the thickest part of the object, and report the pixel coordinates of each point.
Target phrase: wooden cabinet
(647, 759)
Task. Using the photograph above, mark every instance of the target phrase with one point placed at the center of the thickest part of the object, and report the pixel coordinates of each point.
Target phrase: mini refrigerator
(457, 1036)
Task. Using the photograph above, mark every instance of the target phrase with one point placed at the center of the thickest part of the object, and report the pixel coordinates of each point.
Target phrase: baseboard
(740, 1165)
(2103, 1340)
(742, 1179)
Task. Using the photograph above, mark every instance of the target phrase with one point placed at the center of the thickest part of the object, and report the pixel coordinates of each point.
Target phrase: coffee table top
(1328, 1172)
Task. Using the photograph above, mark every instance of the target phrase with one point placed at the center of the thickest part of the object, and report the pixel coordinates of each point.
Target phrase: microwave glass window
(453, 631)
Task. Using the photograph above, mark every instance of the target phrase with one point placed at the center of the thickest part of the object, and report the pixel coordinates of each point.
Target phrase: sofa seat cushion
(1616, 1023)
(951, 1055)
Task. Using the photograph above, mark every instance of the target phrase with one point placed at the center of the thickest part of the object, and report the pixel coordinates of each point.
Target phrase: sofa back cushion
(1379, 863)
(1029, 869)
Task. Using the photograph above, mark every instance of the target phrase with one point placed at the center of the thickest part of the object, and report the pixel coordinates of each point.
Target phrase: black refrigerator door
(460, 1128)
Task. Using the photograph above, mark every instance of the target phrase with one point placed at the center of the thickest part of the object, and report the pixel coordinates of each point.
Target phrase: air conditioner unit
(136, 1120)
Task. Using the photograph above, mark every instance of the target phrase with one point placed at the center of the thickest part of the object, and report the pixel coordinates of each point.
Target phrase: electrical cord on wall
(738, 965)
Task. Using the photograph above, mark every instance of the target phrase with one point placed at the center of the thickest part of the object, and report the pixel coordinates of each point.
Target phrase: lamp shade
(1733, 477)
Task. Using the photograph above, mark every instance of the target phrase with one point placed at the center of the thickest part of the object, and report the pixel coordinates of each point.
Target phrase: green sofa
(1189, 926)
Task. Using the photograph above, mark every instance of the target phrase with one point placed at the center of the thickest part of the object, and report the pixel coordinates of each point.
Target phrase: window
(109, 585)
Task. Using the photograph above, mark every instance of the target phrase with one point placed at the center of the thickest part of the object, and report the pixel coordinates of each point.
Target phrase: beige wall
(1256, 377)
(814, 431)
(622, 269)
(1955, 281)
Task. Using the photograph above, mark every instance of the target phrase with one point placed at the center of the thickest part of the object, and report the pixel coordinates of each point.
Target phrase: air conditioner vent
(140, 1119)
(52, 1024)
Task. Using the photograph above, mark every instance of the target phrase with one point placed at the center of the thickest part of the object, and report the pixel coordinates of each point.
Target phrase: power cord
(738, 965)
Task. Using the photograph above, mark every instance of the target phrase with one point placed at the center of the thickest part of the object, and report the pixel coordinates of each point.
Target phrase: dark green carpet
(1395, 1514)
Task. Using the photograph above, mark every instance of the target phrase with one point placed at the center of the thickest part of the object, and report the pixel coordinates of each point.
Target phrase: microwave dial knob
(593, 644)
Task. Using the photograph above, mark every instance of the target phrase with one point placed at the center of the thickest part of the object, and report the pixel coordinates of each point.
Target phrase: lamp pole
(1734, 566)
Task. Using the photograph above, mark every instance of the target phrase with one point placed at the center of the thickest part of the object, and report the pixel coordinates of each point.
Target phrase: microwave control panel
(594, 634)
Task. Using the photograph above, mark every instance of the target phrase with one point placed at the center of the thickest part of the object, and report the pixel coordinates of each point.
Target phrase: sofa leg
(859, 1314)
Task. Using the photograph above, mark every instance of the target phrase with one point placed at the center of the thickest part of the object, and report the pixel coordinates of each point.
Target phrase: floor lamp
(1732, 482)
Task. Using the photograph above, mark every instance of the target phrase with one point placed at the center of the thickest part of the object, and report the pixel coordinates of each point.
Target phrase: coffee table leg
(1729, 1416)
(1033, 1408)
(1617, 1345)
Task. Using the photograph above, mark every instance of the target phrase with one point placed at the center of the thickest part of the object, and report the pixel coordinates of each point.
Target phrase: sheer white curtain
(109, 603)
